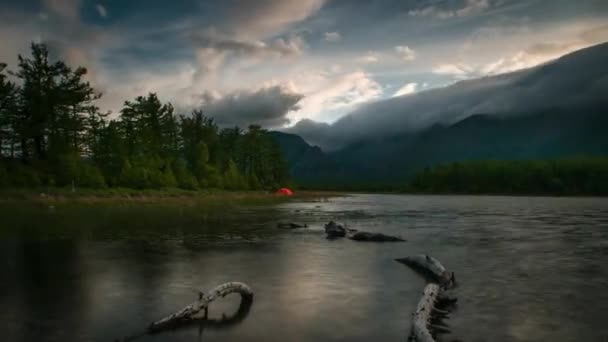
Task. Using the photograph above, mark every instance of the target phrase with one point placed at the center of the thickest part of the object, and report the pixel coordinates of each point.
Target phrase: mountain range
(554, 110)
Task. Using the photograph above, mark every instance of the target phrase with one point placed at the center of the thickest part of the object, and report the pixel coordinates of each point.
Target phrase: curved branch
(427, 319)
(430, 267)
(203, 302)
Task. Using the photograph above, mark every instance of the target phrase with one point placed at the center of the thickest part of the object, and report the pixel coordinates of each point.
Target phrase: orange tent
(284, 192)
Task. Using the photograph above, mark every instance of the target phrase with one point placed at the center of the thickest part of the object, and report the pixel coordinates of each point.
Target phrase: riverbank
(172, 195)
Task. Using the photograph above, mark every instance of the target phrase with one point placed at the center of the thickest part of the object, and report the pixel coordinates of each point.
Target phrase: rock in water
(334, 230)
(374, 237)
(291, 225)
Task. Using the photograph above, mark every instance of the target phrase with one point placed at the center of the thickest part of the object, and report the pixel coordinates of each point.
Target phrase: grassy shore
(124, 195)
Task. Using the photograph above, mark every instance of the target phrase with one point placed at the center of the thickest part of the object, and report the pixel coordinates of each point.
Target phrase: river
(528, 269)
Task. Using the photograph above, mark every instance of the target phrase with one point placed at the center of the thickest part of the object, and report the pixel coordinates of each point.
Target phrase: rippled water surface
(529, 269)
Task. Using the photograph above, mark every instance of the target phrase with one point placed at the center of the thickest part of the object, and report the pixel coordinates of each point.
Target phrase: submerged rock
(374, 237)
(335, 230)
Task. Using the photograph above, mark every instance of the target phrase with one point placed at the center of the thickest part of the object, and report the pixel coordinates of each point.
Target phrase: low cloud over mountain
(577, 81)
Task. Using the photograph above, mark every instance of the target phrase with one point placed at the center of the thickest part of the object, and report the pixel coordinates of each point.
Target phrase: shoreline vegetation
(172, 195)
(582, 176)
(577, 176)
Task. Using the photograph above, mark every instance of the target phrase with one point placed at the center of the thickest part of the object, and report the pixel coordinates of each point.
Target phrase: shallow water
(529, 269)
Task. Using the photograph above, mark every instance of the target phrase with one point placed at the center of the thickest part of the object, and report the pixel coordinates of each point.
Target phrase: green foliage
(233, 179)
(572, 176)
(52, 134)
(89, 176)
(253, 182)
(22, 176)
(213, 177)
(70, 169)
(183, 176)
(4, 180)
(66, 168)
(135, 177)
(199, 159)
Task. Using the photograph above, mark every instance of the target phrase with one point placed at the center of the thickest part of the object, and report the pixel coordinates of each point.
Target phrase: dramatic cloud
(327, 97)
(532, 55)
(459, 71)
(339, 55)
(405, 53)
(469, 7)
(258, 19)
(67, 9)
(532, 90)
(369, 57)
(278, 48)
(332, 37)
(267, 107)
(407, 89)
(101, 10)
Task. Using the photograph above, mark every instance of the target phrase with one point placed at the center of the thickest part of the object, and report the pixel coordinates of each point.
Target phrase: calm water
(529, 269)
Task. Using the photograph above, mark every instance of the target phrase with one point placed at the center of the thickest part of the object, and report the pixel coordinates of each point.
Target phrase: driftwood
(189, 312)
(422, 315)
(374, 237)
(427, 319)
(336, 230)
(430, 268)
(431, 309)
(291, 225)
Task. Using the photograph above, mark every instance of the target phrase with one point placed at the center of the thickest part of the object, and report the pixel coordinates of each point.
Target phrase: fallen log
(422, 316)
(189, 312)
(430, 268)
(336, 230)
(427, 320)
(374, 237)
(291, 225)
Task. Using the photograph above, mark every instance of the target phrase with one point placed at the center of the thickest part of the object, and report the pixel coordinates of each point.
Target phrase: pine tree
(52, 124)
(8, 109)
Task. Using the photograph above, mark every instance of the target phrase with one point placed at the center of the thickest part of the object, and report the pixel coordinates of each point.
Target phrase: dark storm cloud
(267, 107)
(579, 80)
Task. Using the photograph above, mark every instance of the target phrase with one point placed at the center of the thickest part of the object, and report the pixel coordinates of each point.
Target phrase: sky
(277, 62)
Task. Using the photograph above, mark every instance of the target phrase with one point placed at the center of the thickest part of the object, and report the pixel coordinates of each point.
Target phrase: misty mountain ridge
(570, 82)
(554, 110)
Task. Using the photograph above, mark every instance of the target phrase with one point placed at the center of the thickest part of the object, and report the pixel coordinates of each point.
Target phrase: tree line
(568, 176)
(53, 134)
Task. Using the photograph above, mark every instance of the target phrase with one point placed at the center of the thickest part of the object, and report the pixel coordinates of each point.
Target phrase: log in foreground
(430, 311)
(190, 311)
(430, 267)
(427, 319)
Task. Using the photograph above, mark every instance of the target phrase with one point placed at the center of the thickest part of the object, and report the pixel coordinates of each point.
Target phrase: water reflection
(530, 269)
